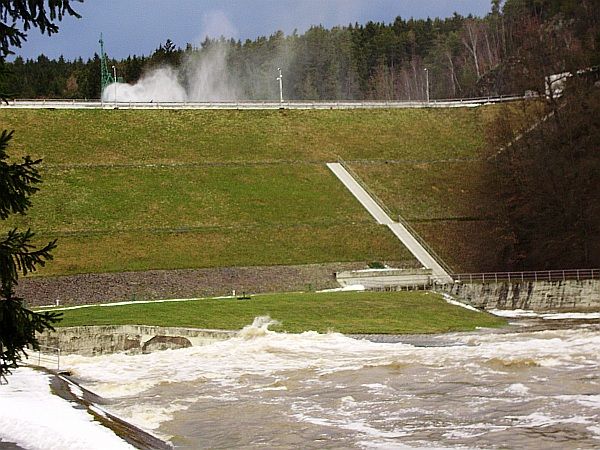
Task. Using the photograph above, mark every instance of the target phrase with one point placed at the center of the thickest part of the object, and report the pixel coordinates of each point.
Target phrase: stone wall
(98, 340)
(569, 295)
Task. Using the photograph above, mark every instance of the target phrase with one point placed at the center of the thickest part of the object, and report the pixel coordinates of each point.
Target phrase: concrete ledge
(386, 278)
(98, 340)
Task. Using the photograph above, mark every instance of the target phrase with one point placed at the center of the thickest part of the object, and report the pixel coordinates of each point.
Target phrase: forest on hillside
(461, 56)
(543, 167)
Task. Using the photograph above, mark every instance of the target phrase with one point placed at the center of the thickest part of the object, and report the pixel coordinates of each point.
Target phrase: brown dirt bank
(188, 283)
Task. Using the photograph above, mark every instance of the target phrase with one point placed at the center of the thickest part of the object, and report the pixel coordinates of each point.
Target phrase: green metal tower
(106, 77)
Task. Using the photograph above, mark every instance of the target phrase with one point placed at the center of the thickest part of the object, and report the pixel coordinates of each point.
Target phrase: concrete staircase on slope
(439, 274)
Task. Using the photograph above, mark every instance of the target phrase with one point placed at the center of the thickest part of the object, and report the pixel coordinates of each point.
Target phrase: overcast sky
(140, 26)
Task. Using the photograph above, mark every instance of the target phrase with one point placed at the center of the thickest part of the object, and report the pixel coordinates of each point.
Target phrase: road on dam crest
(96, 104)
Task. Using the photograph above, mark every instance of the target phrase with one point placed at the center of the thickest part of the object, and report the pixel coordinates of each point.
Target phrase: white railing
(46, 356)
(401, 220)
(538, 275)
(97, 104)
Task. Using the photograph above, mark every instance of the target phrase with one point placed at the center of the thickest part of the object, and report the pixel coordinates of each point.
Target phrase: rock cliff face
(158, 343)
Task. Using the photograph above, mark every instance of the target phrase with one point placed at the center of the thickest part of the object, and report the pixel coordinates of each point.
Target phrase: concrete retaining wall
(98, 340)
(394, 279)
(569, 295)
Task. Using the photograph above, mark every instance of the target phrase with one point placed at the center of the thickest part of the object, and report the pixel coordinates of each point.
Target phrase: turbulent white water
(160, 85)
(530, 389)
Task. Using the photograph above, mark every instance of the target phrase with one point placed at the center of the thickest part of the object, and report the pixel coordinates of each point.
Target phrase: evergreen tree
(465, 57)
(27, 14)
(18, 324)
(18, 181)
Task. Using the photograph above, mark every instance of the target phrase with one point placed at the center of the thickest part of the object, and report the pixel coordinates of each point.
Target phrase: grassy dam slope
(153, 189)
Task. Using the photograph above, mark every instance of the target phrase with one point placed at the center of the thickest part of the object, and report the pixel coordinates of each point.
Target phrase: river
(533, 385)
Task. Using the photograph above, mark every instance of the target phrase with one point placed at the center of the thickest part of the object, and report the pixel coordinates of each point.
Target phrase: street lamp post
(427, 81)
(115, 75)
(280, 79)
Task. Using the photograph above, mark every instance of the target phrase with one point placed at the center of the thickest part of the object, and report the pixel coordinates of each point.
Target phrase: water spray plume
(208, 78)
(259, 328)
(159, 85)
(205, 79)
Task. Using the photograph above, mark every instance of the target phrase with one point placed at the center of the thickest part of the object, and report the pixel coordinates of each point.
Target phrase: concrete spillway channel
(399, 230)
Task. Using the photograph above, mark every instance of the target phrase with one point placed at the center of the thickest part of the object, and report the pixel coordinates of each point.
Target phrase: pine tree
(18, 180)
(18, 324)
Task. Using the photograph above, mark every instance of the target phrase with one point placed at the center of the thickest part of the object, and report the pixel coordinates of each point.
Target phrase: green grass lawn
(196, 136)
(224, 247)
(151, 189)
(428, 191)
(468, 246)
(447, 204)
(151, 198)
(119, 219)
(345, 312)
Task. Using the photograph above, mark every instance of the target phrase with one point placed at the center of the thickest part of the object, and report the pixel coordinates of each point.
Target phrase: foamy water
(531, 389)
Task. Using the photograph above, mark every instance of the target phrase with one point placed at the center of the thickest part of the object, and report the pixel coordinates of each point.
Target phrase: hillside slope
(140, 190)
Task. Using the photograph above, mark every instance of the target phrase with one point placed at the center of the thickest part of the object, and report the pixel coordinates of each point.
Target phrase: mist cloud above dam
(202, 77)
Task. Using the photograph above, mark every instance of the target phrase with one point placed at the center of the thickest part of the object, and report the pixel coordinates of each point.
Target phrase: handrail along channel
(401, 220)
(537, 275)
(47, 356)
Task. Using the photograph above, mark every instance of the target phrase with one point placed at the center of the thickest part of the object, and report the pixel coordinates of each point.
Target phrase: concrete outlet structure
(386, 279)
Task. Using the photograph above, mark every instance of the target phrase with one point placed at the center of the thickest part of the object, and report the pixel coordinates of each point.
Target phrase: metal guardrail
(46, 356)
(97, 104)
(401, 220)
(364, 185)
(425, 245)
(539, 275)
